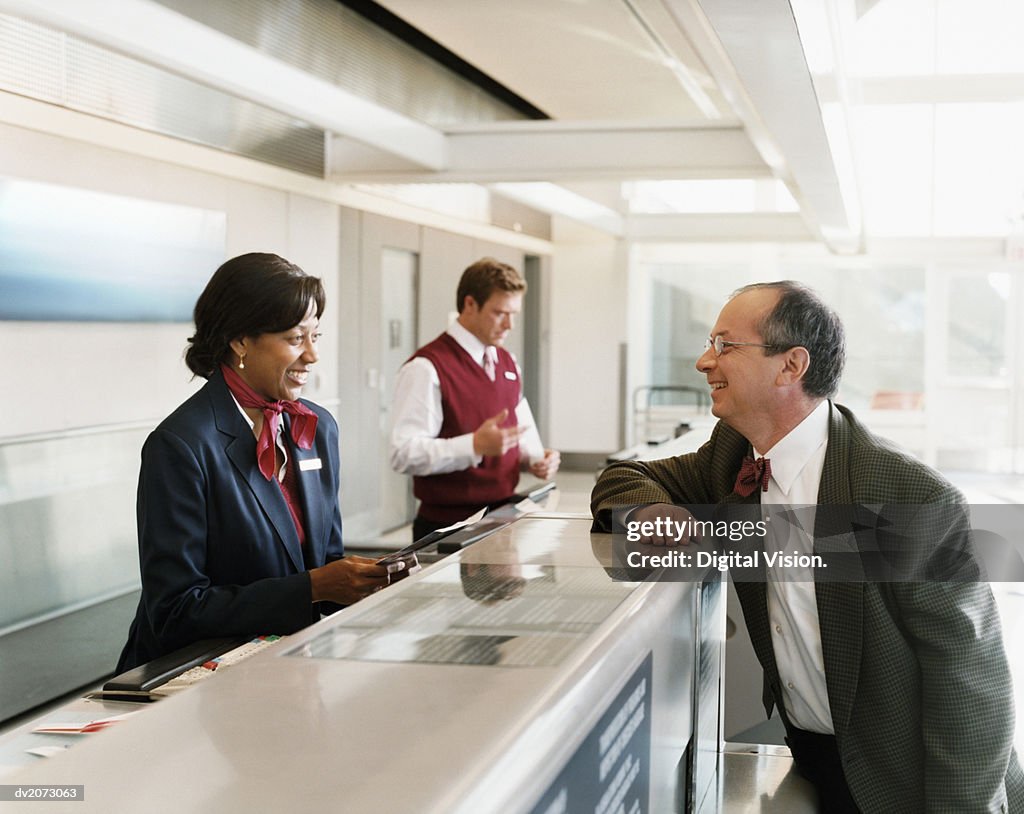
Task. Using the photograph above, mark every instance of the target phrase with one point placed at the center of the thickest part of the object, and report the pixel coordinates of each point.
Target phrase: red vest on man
(468, 398)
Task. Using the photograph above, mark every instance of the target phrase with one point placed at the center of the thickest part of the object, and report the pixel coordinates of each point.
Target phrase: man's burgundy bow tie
(753, 473)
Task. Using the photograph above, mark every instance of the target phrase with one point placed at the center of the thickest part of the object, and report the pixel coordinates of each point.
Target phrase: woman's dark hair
(800, 318)
(249, 295)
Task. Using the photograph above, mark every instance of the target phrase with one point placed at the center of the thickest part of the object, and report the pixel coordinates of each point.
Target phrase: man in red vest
(462, 428)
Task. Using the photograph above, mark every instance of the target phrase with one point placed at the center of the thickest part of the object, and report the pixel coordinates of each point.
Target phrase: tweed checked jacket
(916, 673)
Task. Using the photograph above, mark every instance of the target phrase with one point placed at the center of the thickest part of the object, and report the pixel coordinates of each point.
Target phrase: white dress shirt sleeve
(416, 415)
(531, 449)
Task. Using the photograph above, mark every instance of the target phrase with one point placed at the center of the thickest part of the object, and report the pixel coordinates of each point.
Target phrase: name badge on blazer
(310, 464)
(510, 375)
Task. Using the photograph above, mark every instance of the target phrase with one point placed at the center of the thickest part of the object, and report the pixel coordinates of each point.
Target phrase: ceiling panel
(574, 59)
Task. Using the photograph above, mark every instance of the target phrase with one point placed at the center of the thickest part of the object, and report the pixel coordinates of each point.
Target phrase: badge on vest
(510, 375)
(310, 464)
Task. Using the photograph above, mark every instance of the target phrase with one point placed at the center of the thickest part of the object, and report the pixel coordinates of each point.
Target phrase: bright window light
(939, 169)
(979, 168)
(979, 36)
(558, 200)
(708, 196)
(894, 154)
(949, 170)
(894, 39)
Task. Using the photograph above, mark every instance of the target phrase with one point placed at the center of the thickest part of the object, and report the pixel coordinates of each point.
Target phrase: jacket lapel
(840, 603)
(309, 494)
(753, 597)
(241, 451)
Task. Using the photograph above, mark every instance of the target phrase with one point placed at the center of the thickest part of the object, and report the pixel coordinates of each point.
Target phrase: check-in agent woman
(238, 518)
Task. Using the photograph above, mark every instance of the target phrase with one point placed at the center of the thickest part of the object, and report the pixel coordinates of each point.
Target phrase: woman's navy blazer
(218, 550)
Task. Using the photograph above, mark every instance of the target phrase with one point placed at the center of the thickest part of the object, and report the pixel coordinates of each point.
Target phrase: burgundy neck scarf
(303, 420)
(753, 474)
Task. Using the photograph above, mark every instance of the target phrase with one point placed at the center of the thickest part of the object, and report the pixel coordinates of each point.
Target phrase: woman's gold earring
(241, 362)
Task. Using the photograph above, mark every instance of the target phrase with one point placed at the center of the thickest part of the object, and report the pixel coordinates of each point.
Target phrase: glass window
(882, 308)
(976, 346)
(979, 167)
(978, 36)
(894, 153)
(895, 39)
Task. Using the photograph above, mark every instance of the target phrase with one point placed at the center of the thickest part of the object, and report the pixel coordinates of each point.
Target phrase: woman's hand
(348, 580)
(409, 564)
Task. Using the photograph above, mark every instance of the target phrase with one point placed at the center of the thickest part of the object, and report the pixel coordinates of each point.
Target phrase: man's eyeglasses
(720, 344)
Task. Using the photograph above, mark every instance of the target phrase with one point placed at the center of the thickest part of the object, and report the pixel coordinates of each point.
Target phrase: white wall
(67, 517)
(587, 325)
(442, 257)
(71, 375)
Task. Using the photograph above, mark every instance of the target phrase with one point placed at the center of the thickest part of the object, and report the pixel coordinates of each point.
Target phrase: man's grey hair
(800, 318)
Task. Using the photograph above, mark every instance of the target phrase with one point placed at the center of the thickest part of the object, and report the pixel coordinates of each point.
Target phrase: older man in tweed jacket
(896, 695)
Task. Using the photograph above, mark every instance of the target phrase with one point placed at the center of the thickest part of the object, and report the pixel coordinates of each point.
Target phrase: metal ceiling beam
(754, 53)
(771, 93)
(568, 151)
(156, 35)
(769, 227)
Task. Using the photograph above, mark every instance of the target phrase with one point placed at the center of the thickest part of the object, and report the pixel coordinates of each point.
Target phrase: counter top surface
(400, 703)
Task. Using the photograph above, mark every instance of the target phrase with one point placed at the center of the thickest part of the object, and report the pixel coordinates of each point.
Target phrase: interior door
(399, 284)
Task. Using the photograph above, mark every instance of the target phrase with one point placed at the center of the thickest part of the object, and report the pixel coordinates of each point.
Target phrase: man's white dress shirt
(797, 462)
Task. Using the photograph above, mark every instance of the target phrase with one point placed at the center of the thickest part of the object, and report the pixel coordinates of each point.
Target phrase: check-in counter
(518, 675)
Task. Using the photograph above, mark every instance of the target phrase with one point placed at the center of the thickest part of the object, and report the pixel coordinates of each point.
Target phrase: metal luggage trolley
(662, 411)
